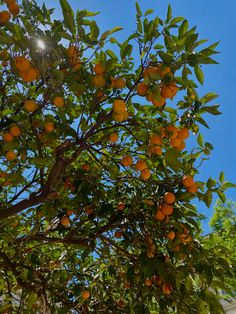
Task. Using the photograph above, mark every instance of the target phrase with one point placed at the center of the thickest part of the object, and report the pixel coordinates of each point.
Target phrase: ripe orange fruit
(7, 137)
(155, 139)
(30, 106)
(65, 221)
(181, 145)
(121, 206)
(69, 212)
(8, 2)
(89, 210)
(167, 209)
(86, 294)
(15, 130)
(166, 288)
(158, 280)
(14, 9)
(30, 75)
(142, 89)
(49, 126)
(148, 282)
(76, 65)
(151, 73)
(114, 137)
(127, 161)
(118, 234)
(163, 70)
(169, 91)
(193, 188)
(72, 51)
(85, 167)
(119, 83)
(156, 150)
(175, 142)
(11, 155)
(159, 215)
(169, 197)
(99, 81)
(121, 303)
(120, 117)
(21, 63)
(58, 101)
(141, 165)
(119, 106)
(171, 235)
(158, 103)
(187, 181)
(172, 131)
(145, 174)
(99, 68)
(183, 133)
(5, 17)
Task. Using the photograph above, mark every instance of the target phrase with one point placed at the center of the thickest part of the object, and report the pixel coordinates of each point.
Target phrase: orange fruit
(8, 2)
(156, 150)
(58, 101)
(65, 221)
(76, 66)
(169, 91)
(99, 81)
(118, 234)
(30, 106)
(151, 73)
(159, 215)
(11, 155)
(155, 139)
(169, 197)
(119, 106)
(187, 181)
(99, 68)
(121, 206)
(120, 117)
(163, 70)
(21, 63)
(158, 280)
(69, 212)
(148, 282)
(166, 288)
(119, 83)
(14, 9)
(193, 188)
(172, 131)
(127, 161)
(89, 210)
(158, 103)
(29, 75)
(141, 165)
(183, 133)
(72, 51)
(15, 130)
(8, 137)
(175, 142)
(121, 303)
(49, 126)
(85, 167)
(167, 209)
(5, 17)
(145, 174)
(142, 89)
(171, 235)
(114, 137)
(181, 145)
(86, 294)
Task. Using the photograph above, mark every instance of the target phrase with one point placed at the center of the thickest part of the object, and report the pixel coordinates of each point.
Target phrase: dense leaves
(96, 184)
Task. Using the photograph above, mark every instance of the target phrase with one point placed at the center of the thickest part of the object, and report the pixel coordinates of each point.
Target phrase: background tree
(96, 182)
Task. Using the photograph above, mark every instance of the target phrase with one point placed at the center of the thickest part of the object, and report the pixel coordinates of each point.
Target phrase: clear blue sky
(215, 21)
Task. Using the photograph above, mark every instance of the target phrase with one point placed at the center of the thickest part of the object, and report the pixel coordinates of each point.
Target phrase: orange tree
(96, 182)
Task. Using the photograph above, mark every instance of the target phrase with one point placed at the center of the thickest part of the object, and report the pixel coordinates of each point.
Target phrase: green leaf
(200, 140)
(183, 28)
(208, 97)
(169, 13)
(126, 50)
(138, 9)
(221, 195)
(211, 109)
(150, 11)
(172, 160)
(199, 74)
(68, 15)
(208, 199)
(222, 177)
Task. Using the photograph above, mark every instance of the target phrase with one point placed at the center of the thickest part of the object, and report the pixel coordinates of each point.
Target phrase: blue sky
(215, 21)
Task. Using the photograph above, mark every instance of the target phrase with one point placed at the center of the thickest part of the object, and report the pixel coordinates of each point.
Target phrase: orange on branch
(8, 2)
(99, 81)
(11, 155)
(187, 181)
(167, 209)
(156, 150)
(30, 105)
(99, 68)
(118, 234)
(145, 174)
(120, 117)
(171, 235)
(14, 9)
(119, 83)
(159, 215)
(155, 140)
(5, 17)
(193, 188)
(29, 75)
(121, 206)
(172, 131)
(114, 137)
(58, 101)
(142, 89)
(49, 126)
(158, 102)
(22, 63)
(148, 282)
(127, 161)
(141, 165)
(166, 288)
(65, 221)
(86, 294)
(181, 145)
(119, 106)
(175, 142)
(169, 197)
(183, 133)
(8, 137)
(169, 91)
(163, 70)
(15, 130)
